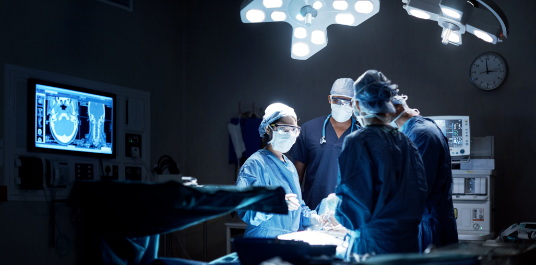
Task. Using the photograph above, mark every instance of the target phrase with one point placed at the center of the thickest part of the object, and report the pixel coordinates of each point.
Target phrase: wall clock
(488, 71)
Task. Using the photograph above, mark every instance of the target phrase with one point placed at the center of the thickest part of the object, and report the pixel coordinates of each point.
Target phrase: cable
(166, 162)
(101, 166)
(63, 243)
(26, 203)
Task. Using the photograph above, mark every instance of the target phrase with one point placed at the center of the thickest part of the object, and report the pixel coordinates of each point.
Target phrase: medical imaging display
(73, 120)
(452, 129)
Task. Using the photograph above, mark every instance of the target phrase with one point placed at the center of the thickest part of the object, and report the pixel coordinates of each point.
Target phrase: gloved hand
(329, 219)
(292, 201)
(332, 201)
(316, 220)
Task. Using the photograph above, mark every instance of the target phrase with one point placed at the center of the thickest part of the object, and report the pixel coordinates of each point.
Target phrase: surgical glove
(292, 201)
(329, 218)
(316, 220)
(332, 200)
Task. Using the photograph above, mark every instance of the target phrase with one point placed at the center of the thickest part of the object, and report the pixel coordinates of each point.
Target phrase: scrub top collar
(323, 139)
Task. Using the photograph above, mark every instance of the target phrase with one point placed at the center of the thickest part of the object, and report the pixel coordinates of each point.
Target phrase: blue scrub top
(382, 190)
(320, 159)
(438, 225)
(263, 168)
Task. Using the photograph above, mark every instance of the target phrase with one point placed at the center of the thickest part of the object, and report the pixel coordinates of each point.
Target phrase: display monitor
(69, 119)
(457, 131)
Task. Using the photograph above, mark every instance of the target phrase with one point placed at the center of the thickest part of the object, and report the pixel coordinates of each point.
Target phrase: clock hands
(492, 71)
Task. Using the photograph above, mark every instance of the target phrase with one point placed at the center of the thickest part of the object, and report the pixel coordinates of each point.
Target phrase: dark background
(199, 61)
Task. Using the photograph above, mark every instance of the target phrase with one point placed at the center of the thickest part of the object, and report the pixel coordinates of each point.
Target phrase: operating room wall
(89, 39)
(230, 62)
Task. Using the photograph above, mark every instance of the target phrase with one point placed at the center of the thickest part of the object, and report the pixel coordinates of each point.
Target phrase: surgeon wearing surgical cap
(320, 144)
(382, 185)
(438, 224)
(270, 167)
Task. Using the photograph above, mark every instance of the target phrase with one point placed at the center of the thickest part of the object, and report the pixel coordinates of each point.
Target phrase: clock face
(489, 71)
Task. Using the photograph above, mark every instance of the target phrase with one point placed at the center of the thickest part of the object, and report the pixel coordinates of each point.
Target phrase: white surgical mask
(341, 113)
(282, 142)
(358, 116)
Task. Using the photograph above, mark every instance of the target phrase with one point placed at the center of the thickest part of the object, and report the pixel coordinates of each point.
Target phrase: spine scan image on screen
(72, 120)
(453, 131)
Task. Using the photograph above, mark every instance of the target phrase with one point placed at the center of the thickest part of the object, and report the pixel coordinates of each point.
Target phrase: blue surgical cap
(343, 87)
(374, 92)
(274, 112)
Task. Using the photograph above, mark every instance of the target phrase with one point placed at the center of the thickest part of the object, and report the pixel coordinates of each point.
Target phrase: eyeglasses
(284, 129)
(341, 101)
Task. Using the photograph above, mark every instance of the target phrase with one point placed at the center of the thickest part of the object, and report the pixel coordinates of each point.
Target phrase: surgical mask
(393, 122)
(341, 113)
(358, 116)
(401, 99)
(282, 142)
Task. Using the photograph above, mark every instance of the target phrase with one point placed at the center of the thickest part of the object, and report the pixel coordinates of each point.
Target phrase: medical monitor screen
(453, 130)
(67, 119)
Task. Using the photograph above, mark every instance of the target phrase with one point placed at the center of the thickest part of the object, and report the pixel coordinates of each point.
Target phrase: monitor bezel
(32, 82)
(457, 117)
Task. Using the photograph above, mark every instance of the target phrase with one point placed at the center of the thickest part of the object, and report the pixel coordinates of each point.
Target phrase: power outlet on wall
(111, 171)
(133, 173)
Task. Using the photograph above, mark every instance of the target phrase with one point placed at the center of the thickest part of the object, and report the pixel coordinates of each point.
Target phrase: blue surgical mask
(393, 122)
(282, 142)
(341, 113)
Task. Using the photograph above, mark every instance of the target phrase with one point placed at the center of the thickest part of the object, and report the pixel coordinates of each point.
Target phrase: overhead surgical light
(255, 16)
(483, 35)
(309, 19)
(300, 49)
(300, 33)
(340, 4)
(279, 16)
(451, 13)
(318, 37)
(483, 18)
(364, 6)
(420, 14)
(272, 3)
(344, 19)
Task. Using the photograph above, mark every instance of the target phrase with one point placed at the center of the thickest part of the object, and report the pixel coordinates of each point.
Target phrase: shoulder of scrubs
(427, 138)
(252, 174)
(299, 150)
(252, 171)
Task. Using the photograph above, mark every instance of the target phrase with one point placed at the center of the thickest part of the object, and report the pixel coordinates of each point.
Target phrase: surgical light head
(482, 18)
(309, 19)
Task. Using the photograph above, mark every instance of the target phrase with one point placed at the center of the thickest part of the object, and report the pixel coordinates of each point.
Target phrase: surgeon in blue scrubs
(320, 144)
(382, 185)
(270, 167)
(438, 224)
